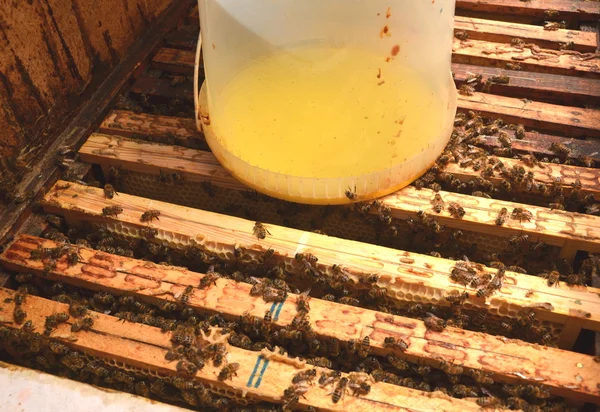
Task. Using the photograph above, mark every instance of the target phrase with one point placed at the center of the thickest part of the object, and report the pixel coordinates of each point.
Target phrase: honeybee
(148, 232)
(73, 256)
(43, 362)
(377, 292)
(481, 377)
(274, 295)
(339, 390)
(348, 300)
(553, 278)
(359, 387)
(521, 214)
(512, 66)
(518, 239)
(455, 297)
(489, 402)
(351, 194)
(472, 78)
(186, 367)
(303, 376)
(148, 215)
(526, 319)
(466, 90)
(229, 371)
(58, 348)
(109, 191)
(500, 79)
(302, 303)
(450, 368)
(310, 259)
(560, 149)
(463, 391)
(438, 203)
(82, 324)
(266, 256)
(320, 362)
(19, 315)
(112, 211)
(554, 25)
(365, 347)
(456, 210)
(395, 343)
(208, 280)
(397, 363)
(19, 298)
(24, 277)
(260, 231)
(434, 323)
(461, 34)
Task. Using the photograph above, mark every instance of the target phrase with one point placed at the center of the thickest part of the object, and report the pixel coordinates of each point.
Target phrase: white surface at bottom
(27, 390)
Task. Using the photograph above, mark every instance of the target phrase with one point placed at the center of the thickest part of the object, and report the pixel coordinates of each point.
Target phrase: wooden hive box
(129, 303)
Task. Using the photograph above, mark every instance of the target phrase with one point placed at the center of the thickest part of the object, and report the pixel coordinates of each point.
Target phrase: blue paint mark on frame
(278, 311)
(262, 372)
(251, 378)
(265, 364)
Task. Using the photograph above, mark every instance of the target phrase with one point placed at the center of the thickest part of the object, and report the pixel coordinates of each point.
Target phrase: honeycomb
(333, 221)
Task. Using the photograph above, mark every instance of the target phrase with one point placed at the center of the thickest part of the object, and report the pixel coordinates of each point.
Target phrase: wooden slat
(569, 120)
(427, 276)
(153, 127)
(503, 32)
(543, 87)
(163, 128)
(173, 60)
(485, 53)
(553, 227)
(589, 178)
(468, 349)
(578, 9)
(143, 346)
(479, 29)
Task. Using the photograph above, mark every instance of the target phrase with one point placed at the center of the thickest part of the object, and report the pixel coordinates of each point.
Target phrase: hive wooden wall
(53, 54)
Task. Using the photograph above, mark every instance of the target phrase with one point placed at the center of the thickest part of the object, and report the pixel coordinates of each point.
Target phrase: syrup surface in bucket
(323, 112)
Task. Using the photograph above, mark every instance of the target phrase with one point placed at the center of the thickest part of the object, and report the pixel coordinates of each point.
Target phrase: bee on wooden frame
(260, 231)
(438, 203)
(112, 211)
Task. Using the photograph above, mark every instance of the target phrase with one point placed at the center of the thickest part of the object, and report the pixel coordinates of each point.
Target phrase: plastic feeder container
(312, 100)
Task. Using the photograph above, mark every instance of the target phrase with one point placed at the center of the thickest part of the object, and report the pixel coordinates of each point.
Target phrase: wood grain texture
(503, 32)
(152, 127)
(162, 129)
(541, 87)
(144, 347)
(51, 52)
(572, 121)
(423, 275)
(485, 53)
(79, 126)
(472, 350)
(579, 9)
(553, 227)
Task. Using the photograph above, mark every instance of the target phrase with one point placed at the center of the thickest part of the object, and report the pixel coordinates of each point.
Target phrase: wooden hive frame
(509, 361)
(551, 94)
(403, 274)
(141, 348)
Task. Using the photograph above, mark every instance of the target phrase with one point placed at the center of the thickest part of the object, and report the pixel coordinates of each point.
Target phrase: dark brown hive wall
(52, 52)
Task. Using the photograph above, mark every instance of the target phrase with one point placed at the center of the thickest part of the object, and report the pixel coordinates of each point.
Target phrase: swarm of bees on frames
(340, 284)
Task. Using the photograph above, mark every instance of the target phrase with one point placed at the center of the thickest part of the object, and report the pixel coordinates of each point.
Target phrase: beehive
(367, 272)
